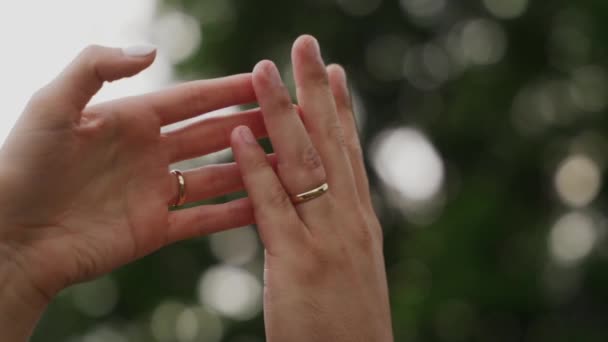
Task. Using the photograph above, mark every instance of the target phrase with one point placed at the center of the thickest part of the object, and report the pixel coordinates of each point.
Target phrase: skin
(89, 189)
(89, 186)
(324, 270)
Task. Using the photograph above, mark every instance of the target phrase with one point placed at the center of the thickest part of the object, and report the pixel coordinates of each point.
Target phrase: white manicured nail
(139, 50)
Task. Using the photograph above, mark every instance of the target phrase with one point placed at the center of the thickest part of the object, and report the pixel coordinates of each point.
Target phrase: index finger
(191, 99)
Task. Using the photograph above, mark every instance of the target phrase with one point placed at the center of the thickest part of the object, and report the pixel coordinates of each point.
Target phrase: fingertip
(97, 64)
(234, 135)
(141, 56)
(306, 41)
(339, 84)
(262, 66)
(306, 46)
(243, 134)
(337, 73)
(336, 68)
(266, 73)
(140, 51)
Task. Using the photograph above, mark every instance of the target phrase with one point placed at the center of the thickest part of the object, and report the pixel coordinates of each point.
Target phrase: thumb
(72, 90)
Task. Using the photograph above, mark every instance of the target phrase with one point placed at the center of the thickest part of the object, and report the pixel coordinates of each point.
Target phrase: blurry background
(486, 137)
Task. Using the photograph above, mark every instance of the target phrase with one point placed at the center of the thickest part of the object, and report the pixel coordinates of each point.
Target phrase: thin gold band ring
(181, 188)
(310, 195)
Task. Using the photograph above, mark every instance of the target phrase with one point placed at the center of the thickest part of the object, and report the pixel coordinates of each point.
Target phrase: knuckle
(376, 229)
(283, 99)
(318, 76)
(91, 56)
(91, 53)
(277, 197)
(357, 157)
(363, 238)
(259, 165)
(195, 98)
(92, 50)
(367, 233)
(310, 158)
(41, 97)
(354, 147)
(335, 132)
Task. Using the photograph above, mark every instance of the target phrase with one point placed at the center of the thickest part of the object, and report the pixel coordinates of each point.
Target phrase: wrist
(21, 303)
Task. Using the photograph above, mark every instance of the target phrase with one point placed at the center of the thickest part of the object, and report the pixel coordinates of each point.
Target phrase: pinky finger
(208, 219)
(339, 87)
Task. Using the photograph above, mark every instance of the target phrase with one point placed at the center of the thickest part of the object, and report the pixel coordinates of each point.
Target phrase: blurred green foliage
(504, 97)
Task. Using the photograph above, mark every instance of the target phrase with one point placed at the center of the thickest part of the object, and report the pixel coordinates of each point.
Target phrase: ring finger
(208, 182)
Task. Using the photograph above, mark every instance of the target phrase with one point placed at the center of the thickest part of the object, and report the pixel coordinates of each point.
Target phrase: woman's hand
(85, 190)
(324, 275)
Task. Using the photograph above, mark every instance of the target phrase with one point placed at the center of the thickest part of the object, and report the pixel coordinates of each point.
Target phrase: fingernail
(247, 136)
(139, 50)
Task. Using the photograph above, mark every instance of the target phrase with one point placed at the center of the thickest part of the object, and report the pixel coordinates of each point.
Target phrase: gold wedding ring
(181, 188)
(310, 195)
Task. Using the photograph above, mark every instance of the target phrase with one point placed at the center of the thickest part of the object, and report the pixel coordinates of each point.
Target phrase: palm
(124, 207)
(91, 190)
(111, 203)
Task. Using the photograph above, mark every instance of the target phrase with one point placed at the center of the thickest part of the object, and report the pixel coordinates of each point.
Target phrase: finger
(339, 87)
(319, 114)
(271, 204)
(72, 90)
(191, 99)
(207, 219)
(211, 181)
(210, 134)
(299, 166)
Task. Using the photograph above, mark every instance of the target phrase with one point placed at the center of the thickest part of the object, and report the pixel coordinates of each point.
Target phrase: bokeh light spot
(232, 292)
(407, 161)
(578, 180)
(506, 9)
(426, 67)
(178, 34)
(164, 320)
(235, 246)
(589, 88)
(484, 41)
(96, 298)
(572, 238)
(104, 334)
(423, 8)
(198, 324)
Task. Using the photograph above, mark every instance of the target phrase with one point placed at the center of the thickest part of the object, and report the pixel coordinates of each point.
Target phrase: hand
(85, 190)
(324, 274)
